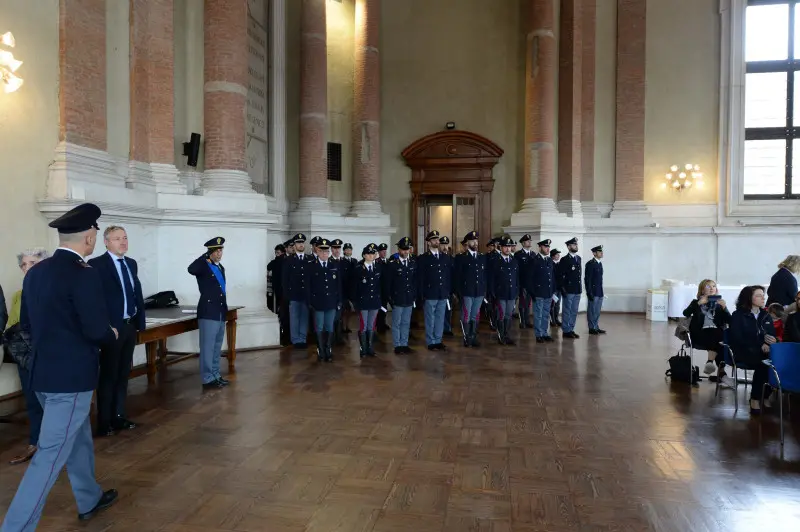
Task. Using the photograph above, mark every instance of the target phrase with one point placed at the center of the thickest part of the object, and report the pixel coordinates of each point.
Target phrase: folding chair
(784, 374)
(730, 360)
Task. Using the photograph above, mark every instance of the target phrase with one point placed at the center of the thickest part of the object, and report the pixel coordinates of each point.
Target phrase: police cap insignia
(299, 237)
(571, 241)
(215, 243)
(348, 245)
(336, 243)
(404, 243)
(444, 240)
(545, 242)
(433, 234)
(525, 238)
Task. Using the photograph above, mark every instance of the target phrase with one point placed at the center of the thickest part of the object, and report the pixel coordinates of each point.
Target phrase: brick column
(540, 80)
(631, 87)
(152, 155)
(366, 125)
(588, 32)
(225, 88)
(82, 73)
(313, 107)
(570, 107)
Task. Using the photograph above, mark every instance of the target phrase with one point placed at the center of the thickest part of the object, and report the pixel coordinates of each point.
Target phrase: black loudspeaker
(191, 149)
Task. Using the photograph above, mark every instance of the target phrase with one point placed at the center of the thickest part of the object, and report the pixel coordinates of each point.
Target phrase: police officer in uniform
(469, 280)
(444, 247)
(350, 261)
(381, 261)
(593, 280)
(400, 291)
(541, 286)
(294, 292)
(434, 275)
(64, 311)
(492, 253)
(555, 306)
(344, 266)
(324, 296)
(524, 257)
(503, 289)
(568, 272)
(365, 291)
(212, 309)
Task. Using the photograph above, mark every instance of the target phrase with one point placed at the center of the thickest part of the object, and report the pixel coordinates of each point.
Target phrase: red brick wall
(140, 76)
(82, 72)
(631, 69)
(161, 82)
(570, 104)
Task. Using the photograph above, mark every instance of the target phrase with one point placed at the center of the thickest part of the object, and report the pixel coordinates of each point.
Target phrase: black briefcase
(164, 299)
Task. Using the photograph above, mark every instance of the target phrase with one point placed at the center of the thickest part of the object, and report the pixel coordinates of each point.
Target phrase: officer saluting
(64, 311)
(541, 286)
(400, 290)
(212, 309)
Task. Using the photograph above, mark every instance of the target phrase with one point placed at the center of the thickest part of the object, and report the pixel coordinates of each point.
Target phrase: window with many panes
(772, 93)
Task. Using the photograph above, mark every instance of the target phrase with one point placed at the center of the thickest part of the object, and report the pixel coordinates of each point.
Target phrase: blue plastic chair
(730, 360)
(784, 374)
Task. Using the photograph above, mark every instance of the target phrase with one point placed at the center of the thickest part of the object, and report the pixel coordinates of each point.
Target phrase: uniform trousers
(366, 319)
(470, 308)
(401, 323)
(323, 320)
(298, 321)
(541, 316)
(32, 404)
(434, 320)
(65, 440)
(524, 305)
(593, 308)
(503, 308)
(569, 311)
(212, 333)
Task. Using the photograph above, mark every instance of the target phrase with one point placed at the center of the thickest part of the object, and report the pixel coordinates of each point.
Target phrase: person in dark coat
(568, 275)
(350, 261)
(365, 289)
(504, 288)
(64, 311)
(125, 304)
(279, 306)
(708, 314)
(524, 257)
(750, 335)
(447, 328)
(593, 281)
(540, 284)
(434, 275)
(555, 304)
(791, 328)
(212, 310)
(294, 292)
(469, 282)
(381, 260)
(400, 291)
(783, 285)
(344, 267)
(324, 296)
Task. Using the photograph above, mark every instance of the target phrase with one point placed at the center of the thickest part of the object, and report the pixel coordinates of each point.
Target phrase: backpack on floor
(681, 369)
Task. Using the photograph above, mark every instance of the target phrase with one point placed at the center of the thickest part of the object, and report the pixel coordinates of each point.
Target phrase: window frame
(732, 203)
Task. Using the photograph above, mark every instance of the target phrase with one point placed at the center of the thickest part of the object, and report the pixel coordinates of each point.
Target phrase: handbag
(18, 343)
(681, 369)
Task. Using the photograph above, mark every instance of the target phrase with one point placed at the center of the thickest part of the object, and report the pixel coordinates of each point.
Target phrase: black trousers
(115, 367)
(283, 320)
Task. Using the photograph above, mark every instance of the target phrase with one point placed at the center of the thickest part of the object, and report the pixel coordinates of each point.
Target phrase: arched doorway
(451, 184)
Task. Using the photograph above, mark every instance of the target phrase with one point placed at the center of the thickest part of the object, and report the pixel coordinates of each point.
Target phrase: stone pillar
(366, 123)
(631, 86)
(277, 34)
(541, 68)
(313, 108)
(225, 89)
(152, 150)
(588, 33)
(570, 108)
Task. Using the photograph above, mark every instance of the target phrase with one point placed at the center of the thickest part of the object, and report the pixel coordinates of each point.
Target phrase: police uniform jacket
(434, 276)
(400, 282)
(568, 274)
(294, 280)
(64, 311)
(469, 275)
(504, 279)
(541, 281)
(213, 304)
(593, 278)
(366, 287)
(324, 285)
(525, 263)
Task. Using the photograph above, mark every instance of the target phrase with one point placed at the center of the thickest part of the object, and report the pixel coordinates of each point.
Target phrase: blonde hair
(702, 286)
(791, 263)
(110, 229)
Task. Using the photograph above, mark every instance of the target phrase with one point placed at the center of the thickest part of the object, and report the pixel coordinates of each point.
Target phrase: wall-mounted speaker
(191, 149)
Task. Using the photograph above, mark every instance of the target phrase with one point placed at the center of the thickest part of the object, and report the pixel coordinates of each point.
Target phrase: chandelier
(9, 65)
(680, 179)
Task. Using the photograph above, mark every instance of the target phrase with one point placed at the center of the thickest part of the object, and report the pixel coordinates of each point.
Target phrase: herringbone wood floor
(579, 435)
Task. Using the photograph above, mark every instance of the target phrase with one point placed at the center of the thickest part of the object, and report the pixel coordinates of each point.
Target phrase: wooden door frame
(453, 162)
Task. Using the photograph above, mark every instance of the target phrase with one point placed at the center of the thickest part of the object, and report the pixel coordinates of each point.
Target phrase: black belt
(128, 321)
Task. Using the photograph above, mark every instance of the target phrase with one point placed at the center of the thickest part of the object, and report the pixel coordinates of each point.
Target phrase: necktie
(127, 289)
(324, 265)
(369, 269)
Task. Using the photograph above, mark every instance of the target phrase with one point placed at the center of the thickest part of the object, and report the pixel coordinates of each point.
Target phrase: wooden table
(155, 335)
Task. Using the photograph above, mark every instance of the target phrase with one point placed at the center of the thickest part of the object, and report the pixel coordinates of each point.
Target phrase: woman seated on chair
(750, 335)
(708, 314)
(791, 324)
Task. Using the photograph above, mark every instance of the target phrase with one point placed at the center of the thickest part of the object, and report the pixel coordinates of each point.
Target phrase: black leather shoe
(539, 340)
(433, 347)
(548, 339)
(108, 498)
(594, 332)
(600, 331)
(225, 382)
(407, 350)
(123, 424)
(213, 384)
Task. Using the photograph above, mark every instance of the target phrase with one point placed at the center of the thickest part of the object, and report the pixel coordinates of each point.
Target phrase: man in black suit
(125, 303)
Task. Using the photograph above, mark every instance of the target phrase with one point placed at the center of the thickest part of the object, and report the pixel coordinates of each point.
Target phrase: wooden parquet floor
(581, 435)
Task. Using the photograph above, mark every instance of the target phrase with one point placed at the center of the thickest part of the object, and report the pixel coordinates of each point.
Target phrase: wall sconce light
(9, 65)
(680, 179)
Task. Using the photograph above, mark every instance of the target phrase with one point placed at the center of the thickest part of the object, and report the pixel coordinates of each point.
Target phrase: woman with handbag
(17, 342)
(707, 315)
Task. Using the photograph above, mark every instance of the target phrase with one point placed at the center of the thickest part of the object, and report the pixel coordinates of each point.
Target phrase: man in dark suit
(434, 278)
(64, 311)
(540, 284)
(400, 291)
(469, 282)
(593, 280)
(212, 309)
(125, 305)
(294, 292)
(568, 273)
